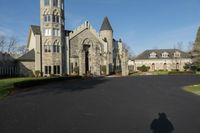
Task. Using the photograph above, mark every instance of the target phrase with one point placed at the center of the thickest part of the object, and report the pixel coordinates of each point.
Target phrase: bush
(103, 70)
(143, 68)
(37, 73)
(76, 70)
(180, 73)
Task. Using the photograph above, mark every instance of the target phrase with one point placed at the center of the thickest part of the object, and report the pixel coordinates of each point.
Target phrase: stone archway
(86, 63)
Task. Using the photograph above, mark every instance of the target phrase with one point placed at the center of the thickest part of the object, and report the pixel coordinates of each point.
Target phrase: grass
(160, 73)
(7, 84)
(193, 89)
(198, 73)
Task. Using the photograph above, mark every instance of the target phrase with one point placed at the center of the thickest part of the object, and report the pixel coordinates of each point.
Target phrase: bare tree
(12, 44)
(131, 54)
(190, 46)
(2, 43)
(179, 45)
(22, 49)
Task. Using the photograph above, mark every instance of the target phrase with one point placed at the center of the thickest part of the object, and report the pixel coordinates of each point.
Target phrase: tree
(12, 44)
(179, 45)
(196, 51)
(131, 54)
(2, 43)
(22, 49)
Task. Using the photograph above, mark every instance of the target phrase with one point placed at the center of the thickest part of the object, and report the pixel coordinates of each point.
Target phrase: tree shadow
(161, 124)
(60, 87)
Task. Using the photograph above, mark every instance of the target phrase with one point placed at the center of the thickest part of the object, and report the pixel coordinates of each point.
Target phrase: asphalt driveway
(104, 105)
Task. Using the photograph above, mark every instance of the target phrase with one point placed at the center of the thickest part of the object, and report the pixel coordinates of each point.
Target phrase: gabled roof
(106, 25)
(30, 56)
(35, 29)
(146, 54)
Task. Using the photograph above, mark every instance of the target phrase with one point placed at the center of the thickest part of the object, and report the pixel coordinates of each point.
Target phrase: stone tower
(52, 28)
(106, 32)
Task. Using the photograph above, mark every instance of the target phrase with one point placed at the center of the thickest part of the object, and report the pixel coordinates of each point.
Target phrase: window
(56, 69)
(56, 19)
(153, 55)
(47, 48)
(49, 69)
(153, 67)
(165, 55)
(177, 54)
(46, 2)
(47, 32)
(47, 18)
(56, 48)
(56, 32)
(46, 69)
(165, 66)
(177, 66)
(55, 3)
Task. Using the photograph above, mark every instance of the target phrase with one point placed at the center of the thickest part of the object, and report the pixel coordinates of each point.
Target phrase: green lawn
(6, 84)
(193, 89)
(160, 73)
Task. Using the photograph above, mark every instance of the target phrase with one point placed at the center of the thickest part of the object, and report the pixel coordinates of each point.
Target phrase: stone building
(55, 50)
(162, 59)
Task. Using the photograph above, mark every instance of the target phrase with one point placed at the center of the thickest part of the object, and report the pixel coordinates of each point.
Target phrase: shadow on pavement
(61, 87)
(162, 124)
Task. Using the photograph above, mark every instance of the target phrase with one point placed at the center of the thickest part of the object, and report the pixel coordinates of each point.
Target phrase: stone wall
(26, 68)
(96, 56)
(162, 64)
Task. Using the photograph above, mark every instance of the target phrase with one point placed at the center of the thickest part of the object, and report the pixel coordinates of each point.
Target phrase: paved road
(112, 105)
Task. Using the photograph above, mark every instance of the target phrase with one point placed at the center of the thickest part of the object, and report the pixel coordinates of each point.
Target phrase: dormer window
(153, 55)
(165, 55)
(177, 54)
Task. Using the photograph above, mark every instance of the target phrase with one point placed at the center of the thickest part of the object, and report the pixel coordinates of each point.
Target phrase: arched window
(153, 67)
(165, 66)
(56, 47)
(47, 47)
(177, 66)
(56, 17)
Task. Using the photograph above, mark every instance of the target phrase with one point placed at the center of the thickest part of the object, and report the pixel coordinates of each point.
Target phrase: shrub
(76, 70)
(179, 73)
(37, 73)
(143, 68)
(103, 70)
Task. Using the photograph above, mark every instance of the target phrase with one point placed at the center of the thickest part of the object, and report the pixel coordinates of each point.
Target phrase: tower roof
(106, 25)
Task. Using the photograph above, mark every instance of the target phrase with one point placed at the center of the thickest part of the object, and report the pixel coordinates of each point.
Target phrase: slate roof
(30, 56)
(36, 29)
(106, 25)
(146, 54)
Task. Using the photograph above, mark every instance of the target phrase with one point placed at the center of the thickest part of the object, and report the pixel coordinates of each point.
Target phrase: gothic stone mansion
(54, 50)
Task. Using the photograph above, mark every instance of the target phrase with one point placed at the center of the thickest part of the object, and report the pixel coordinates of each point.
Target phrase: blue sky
(142, 24)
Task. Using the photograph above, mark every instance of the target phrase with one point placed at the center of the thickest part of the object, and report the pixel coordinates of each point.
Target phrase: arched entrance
(86, 53)
(153, 67)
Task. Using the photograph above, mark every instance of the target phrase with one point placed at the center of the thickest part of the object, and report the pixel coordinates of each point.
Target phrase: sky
(141, 24)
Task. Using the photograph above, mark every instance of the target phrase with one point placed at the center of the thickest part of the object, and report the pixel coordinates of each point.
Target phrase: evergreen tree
(196, 52)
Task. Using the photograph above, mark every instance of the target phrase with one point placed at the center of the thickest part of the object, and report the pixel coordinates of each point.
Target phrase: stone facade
(164, 59)
(78, 52)
(26, 68)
